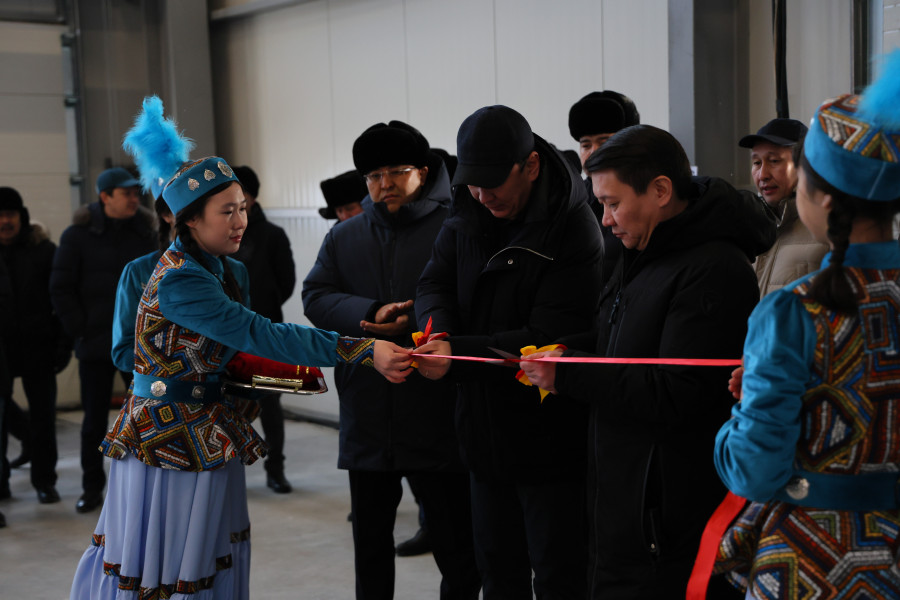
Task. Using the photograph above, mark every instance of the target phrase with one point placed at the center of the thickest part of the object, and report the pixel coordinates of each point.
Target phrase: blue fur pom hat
(195, 181)
(157, 147)
(854, 141)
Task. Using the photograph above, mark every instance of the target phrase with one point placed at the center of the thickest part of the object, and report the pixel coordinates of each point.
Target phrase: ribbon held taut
(603, 360)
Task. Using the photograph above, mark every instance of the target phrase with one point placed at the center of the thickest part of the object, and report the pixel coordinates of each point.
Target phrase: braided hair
(165, 230)
(184, 234)
(831, 287)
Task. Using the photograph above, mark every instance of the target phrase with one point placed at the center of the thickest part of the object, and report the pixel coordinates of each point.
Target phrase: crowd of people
(633, 463)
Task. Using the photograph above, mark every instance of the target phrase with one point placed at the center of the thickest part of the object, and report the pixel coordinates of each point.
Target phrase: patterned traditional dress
(816, 442)
(175, 521)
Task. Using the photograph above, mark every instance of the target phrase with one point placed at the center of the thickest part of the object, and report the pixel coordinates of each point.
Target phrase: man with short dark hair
(104, 237)
(363, 283)
(795, 252)
(35, 349)
(683, 288)
(266, 251)
(517, 263)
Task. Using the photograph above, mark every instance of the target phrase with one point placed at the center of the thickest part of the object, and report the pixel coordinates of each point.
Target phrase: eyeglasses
(376, 176)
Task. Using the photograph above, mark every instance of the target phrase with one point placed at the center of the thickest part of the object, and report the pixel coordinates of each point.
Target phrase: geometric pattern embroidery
(837, 119)
(167, 590)
(850, 424)
(356, 351)
(180, 435)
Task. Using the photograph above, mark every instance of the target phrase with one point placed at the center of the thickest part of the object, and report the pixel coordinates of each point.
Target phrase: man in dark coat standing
(683, 288)
(266, 251)
(593, 120)
(363, 284)
(40, 349)
(517, 263)
(6, 304)
(104, 237)
(343, 195)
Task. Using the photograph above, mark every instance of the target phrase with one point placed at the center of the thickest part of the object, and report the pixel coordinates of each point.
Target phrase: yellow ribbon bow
(522, 377)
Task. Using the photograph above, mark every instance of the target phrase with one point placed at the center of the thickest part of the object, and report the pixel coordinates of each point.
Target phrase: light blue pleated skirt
(171, 534)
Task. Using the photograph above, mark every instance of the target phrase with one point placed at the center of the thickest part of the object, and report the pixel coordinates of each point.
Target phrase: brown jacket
(795, 253)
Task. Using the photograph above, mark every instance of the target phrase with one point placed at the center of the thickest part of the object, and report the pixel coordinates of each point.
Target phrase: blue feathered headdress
(854, 141)
(157, 147)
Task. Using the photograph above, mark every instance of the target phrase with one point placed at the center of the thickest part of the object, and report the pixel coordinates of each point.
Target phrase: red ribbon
(716, 527)
(695, 362)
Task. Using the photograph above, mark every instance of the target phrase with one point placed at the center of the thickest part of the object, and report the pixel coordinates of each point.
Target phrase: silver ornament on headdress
(193, 184)
(208, 175)
(226, 170)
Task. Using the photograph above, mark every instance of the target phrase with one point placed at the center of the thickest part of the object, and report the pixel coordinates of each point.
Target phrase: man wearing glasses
(363, 284)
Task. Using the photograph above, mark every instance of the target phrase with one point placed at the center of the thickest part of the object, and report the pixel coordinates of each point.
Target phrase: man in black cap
(343, 195)
(363, 284)
(104, 237)
(266, 251)
(795, 253)
(593, 120)
(516, 264)
(35, 349)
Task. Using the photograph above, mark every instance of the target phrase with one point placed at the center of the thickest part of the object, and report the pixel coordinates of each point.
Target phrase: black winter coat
(651, 481)
(39, 342)
(509, 284)
(6, 331)
(86, 268)
(266, 251)
(365, 262)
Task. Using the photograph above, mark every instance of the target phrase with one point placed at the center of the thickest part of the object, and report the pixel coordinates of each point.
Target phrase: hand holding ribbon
(735, 383)
(431, 343)
(542, 374)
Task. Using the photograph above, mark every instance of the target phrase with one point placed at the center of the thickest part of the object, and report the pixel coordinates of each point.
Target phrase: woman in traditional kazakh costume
(815, 441)
(175, 521)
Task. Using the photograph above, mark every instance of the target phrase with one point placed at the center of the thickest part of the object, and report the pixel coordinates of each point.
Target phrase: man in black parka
(516, 264)
(104, 237)
(266, 251)
(593, 120)
(363, 284)
(683, 288)
(36, 349)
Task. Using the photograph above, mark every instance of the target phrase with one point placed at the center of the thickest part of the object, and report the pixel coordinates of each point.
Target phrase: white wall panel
(634, 50)
(33, 142)
(451, 65)
(296, 113)
(236, 89)
(548, 56)
(368, 68)
(818, 70)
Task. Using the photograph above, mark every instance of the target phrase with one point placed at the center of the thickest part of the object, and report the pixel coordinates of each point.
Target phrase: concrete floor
(302, 545)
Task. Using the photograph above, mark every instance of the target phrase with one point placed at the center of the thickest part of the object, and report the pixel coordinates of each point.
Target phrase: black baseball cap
(781, 132)
(490, 141)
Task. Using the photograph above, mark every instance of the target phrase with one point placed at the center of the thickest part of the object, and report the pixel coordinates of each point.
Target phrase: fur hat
(345, 188)
(10, 199)
(395, 143)
(602, 112)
